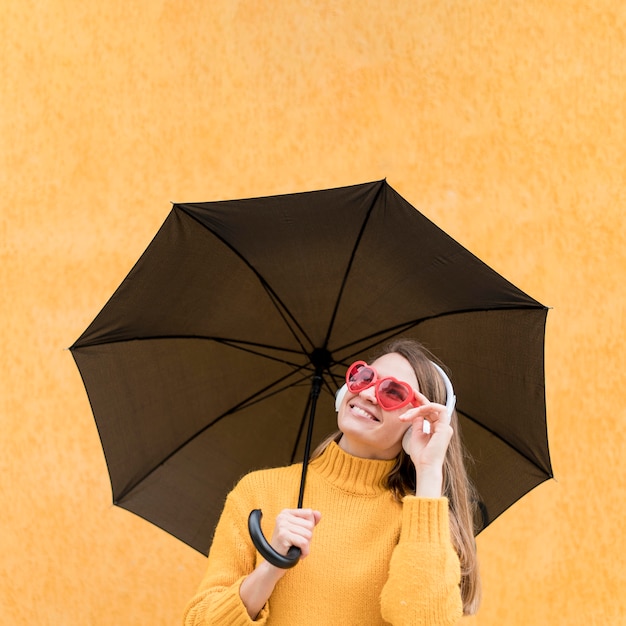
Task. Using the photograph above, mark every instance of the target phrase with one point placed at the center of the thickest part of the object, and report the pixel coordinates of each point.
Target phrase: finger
(422, 398)
(409, 415)
(417, 427)
(434, 412)
(293, 532)
(440, 437)
(431, 412)
(283, 539)
(434, 452)
(299, 535)
(299, 521)
(443, 418)
(306, 514)
(303, 518)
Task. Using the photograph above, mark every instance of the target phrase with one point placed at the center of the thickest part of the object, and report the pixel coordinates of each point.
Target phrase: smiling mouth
(363, 413)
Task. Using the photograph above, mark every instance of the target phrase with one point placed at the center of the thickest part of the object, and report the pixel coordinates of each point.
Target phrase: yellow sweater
(373, 560)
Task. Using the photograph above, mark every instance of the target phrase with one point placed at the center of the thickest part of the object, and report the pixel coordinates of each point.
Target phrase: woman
(390, 540)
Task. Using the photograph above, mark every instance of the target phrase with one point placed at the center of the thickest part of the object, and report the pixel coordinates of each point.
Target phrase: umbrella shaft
(316, 386)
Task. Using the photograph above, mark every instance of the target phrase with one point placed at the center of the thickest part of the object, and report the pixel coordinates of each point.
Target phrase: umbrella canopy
(199, 367)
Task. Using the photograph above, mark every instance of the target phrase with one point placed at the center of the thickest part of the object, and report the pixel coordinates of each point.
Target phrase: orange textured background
(504, 122)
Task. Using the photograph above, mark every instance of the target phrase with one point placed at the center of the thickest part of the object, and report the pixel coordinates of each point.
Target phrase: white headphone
(450, 401)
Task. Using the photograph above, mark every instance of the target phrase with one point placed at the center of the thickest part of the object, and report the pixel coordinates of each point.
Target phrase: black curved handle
(263, 546)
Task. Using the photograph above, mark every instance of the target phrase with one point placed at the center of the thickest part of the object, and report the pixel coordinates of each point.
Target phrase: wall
(502, 121)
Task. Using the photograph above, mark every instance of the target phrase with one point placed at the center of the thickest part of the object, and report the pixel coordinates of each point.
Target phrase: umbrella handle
(263, 546)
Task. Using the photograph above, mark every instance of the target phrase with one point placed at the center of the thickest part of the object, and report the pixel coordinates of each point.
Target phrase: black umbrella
(208, 360)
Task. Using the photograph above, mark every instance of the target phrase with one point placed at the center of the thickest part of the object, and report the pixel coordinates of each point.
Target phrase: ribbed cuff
(425, 520)
(228, 608)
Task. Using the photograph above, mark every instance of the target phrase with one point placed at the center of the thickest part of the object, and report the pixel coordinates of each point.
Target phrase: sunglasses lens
(392, 394)
(360, 376)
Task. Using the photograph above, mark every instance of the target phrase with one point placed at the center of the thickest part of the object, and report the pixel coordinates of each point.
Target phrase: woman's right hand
(294, 527)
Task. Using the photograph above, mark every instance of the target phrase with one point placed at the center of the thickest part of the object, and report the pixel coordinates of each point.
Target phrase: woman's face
(368, 430)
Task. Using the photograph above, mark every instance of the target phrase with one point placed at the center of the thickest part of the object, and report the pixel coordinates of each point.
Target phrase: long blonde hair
(456, 484)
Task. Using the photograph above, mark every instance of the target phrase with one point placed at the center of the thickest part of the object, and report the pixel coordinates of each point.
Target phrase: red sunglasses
(390, 393)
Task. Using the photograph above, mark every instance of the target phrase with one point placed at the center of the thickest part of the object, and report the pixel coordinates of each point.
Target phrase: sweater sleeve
(231, 559)
(423, 586)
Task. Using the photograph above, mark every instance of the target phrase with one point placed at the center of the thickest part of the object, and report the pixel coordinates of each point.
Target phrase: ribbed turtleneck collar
(351, 473)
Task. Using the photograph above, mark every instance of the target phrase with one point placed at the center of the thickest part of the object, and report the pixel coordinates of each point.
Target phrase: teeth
(363, 413)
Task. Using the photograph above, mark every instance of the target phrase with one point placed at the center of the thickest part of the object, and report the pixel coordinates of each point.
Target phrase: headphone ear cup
(341, 392)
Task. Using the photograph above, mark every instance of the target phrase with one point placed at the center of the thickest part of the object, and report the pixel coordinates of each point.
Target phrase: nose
(369, 394)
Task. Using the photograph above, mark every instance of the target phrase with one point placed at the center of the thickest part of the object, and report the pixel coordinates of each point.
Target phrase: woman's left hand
(428, 450)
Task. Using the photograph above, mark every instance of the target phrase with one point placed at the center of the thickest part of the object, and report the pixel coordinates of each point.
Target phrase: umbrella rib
(404, 326)
(547, 471)
(247, 346)
(254, 398)
(331, 323)
(234, 343)
(280, 306)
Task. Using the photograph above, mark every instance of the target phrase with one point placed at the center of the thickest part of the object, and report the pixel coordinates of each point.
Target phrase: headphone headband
(450, 397)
